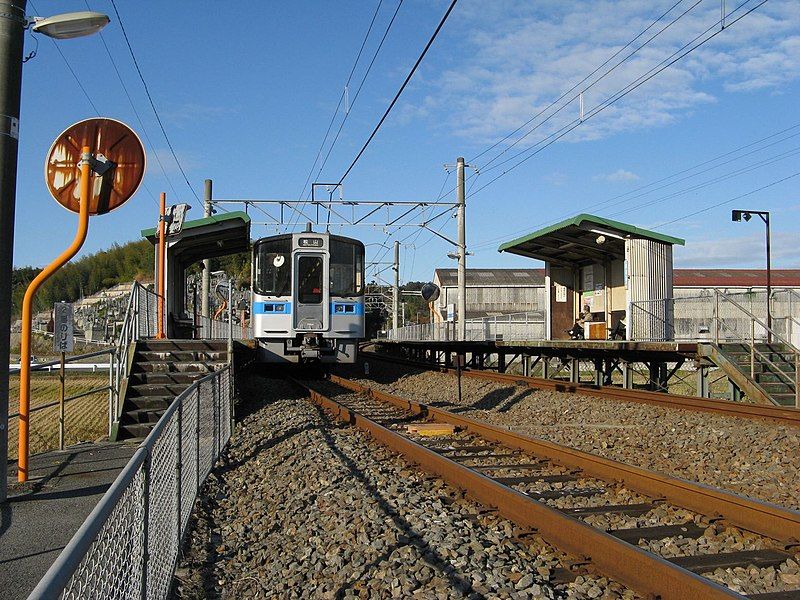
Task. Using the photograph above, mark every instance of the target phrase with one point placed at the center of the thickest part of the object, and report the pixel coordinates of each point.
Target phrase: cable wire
(400, 91)
(341, 99)
(152, 104)
(678, 55)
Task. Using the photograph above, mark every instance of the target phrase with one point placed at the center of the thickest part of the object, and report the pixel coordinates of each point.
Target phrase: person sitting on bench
(576, 333)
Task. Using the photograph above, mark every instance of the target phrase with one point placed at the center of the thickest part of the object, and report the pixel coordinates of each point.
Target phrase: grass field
(86, 419)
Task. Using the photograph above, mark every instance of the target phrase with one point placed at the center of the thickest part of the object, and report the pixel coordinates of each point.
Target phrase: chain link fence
(516, 326)
(129, 545)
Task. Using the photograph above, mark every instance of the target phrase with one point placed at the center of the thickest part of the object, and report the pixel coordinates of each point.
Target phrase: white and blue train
(308, 297)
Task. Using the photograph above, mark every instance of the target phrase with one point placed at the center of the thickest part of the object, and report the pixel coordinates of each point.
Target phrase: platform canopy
(209, 237)
(582, 240)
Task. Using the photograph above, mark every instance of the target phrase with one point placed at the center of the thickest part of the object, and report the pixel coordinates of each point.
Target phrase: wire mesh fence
(214, 329)
(516, 326)
(129, 545)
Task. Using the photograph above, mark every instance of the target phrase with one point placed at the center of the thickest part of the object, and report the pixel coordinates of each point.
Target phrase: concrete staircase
(160, 371)
(774, 370)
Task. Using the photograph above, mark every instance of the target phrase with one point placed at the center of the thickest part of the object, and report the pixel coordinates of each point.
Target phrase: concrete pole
(12, 31)
(396, 289)
(206, 285)
(461, 312)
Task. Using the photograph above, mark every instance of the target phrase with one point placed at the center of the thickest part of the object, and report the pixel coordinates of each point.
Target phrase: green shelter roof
(575, 240)
(212, 220)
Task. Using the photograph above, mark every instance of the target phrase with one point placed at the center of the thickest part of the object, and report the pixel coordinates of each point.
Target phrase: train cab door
(310, 292)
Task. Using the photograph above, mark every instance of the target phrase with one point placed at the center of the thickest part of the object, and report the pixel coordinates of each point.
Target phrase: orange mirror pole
(27, 309)
(162, 255)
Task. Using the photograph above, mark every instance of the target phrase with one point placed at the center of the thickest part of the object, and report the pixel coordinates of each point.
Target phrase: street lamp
(69, 25)
(13, 23)
(737, 216)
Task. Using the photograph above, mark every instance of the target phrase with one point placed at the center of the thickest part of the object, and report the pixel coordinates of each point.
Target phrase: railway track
(783, 415)
(625, 521)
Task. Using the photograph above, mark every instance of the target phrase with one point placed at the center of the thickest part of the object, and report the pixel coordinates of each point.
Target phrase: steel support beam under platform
(649, 365)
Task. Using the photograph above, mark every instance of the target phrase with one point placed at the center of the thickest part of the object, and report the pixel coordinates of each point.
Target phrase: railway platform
(42, 515)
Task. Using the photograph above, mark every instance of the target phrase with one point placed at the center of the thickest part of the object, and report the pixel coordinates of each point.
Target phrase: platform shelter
(209, 237)
(603, 266)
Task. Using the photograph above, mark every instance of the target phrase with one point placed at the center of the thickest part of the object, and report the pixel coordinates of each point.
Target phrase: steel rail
(759, 517)
(783, 415)
(624, 562)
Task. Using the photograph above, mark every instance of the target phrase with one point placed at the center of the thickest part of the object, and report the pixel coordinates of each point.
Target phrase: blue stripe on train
(272, 308)
(285, 308)
(347, 309)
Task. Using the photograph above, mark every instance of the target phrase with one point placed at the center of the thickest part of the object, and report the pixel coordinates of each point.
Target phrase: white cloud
(520, 56)
(742, 252)
(618, 175)
(556, 178)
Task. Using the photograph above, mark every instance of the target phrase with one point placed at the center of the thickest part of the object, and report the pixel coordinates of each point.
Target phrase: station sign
(63, 327)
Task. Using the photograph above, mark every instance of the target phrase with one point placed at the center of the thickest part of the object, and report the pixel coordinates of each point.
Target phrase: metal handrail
(772, 335)
(61, 571)
(70, 359)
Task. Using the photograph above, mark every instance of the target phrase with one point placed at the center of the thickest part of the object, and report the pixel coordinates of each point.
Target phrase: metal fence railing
(515, 326)
(214, 329)
(129, 545)
(715, 313)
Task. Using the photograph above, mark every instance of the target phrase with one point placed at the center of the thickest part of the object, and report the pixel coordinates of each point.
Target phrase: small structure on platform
(491, 292)
(602, 266)
(209, 237)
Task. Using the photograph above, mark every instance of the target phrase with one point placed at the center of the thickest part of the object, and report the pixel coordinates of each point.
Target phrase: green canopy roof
(212, 220)
(574, 241)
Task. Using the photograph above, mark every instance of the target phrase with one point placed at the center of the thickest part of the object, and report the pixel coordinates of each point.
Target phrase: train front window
(347, 268)
(309, 279)
(273, 267)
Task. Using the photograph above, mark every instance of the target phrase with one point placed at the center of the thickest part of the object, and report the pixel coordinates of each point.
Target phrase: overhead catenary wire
(69, 67)
(152, 103)
(341, 98)
(136, 113)
(661, 181)
(400, 91)
(614, 98)
(729, 200)
(375, 54)
(587, 77)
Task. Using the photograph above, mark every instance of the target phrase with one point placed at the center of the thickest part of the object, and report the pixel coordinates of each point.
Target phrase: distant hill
(86, 276)
(104, 269)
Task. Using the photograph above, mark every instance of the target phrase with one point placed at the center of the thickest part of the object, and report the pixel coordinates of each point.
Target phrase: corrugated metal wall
(649, 265)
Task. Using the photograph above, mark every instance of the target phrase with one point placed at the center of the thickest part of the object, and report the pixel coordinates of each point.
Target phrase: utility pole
(205, 290)
(12, 35)
(396, 289)
(461, 311)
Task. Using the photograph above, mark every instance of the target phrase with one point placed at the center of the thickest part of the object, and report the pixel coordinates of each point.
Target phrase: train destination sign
(308, 242)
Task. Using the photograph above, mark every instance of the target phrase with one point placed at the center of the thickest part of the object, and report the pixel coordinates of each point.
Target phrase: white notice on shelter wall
(561, 293)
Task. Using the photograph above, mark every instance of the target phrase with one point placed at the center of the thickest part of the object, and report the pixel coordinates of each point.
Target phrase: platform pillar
(598, 372)
(574, 370)
(545, 367)
(501, 362)
(734, 392)
(526, 365)
(703, 390)
(627, 375)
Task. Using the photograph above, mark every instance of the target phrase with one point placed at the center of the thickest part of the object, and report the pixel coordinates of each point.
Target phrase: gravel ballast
(752, 457)
(300, 506)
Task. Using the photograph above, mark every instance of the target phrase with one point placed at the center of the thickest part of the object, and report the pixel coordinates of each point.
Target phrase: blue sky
(246, 96)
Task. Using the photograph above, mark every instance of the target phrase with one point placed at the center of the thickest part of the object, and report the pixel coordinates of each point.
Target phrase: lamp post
(737, 216)
(13, 23)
